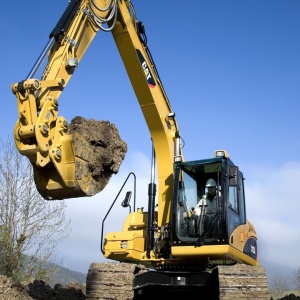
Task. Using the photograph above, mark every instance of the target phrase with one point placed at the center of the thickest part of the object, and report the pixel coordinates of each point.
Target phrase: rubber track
(113, 281)
(241, 282)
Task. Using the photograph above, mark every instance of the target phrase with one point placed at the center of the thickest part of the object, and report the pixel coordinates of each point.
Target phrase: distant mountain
(275, 270)
(65, 276)
(62, 275)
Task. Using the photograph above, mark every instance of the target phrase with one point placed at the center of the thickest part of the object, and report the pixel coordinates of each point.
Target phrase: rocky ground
(289, 297)
(39, 290)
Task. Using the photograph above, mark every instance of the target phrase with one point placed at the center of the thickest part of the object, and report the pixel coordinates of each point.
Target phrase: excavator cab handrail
(116, 198)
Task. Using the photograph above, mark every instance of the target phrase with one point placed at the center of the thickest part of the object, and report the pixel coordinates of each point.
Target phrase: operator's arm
(201, 205)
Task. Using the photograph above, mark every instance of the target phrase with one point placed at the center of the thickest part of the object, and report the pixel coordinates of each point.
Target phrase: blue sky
(231, 70)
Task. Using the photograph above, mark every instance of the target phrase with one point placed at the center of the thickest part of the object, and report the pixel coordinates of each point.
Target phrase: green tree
(30, 227)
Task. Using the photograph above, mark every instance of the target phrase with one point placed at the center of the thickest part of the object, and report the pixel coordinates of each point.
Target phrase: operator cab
(189, 187)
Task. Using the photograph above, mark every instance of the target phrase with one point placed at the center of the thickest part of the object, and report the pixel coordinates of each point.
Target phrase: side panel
(242, 235)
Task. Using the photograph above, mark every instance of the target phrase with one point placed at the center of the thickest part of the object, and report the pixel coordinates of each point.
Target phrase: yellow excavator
(165, 249)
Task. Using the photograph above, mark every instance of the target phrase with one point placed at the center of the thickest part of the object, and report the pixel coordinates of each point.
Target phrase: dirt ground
(38, 290)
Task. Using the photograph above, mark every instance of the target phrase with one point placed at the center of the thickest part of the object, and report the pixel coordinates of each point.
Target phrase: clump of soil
(289, 297)
(99, 153)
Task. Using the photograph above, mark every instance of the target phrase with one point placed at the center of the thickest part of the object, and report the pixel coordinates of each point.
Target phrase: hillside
(274, 270)
(66, 276)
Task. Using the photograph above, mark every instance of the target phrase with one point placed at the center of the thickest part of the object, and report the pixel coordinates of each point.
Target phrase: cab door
(236, 213)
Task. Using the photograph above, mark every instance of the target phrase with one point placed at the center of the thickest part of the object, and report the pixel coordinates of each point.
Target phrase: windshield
(198, 210)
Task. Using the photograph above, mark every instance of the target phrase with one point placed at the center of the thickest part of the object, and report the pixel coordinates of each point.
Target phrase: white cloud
(273, 205)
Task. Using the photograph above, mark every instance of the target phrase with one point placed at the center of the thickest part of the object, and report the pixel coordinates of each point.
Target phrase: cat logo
(147, 71)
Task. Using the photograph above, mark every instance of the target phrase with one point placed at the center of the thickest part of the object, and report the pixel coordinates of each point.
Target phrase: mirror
(126, 201)
(233, 176)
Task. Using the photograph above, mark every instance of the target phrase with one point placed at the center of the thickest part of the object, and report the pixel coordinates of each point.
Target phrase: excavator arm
(42, 135)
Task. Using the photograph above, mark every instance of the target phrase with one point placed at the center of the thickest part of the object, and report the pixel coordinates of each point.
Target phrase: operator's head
(211, 187)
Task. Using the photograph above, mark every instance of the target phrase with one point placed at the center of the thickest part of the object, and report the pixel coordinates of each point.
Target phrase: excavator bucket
(92, 152)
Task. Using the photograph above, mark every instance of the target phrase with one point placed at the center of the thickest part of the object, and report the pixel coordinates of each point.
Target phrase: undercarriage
(130, 281)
